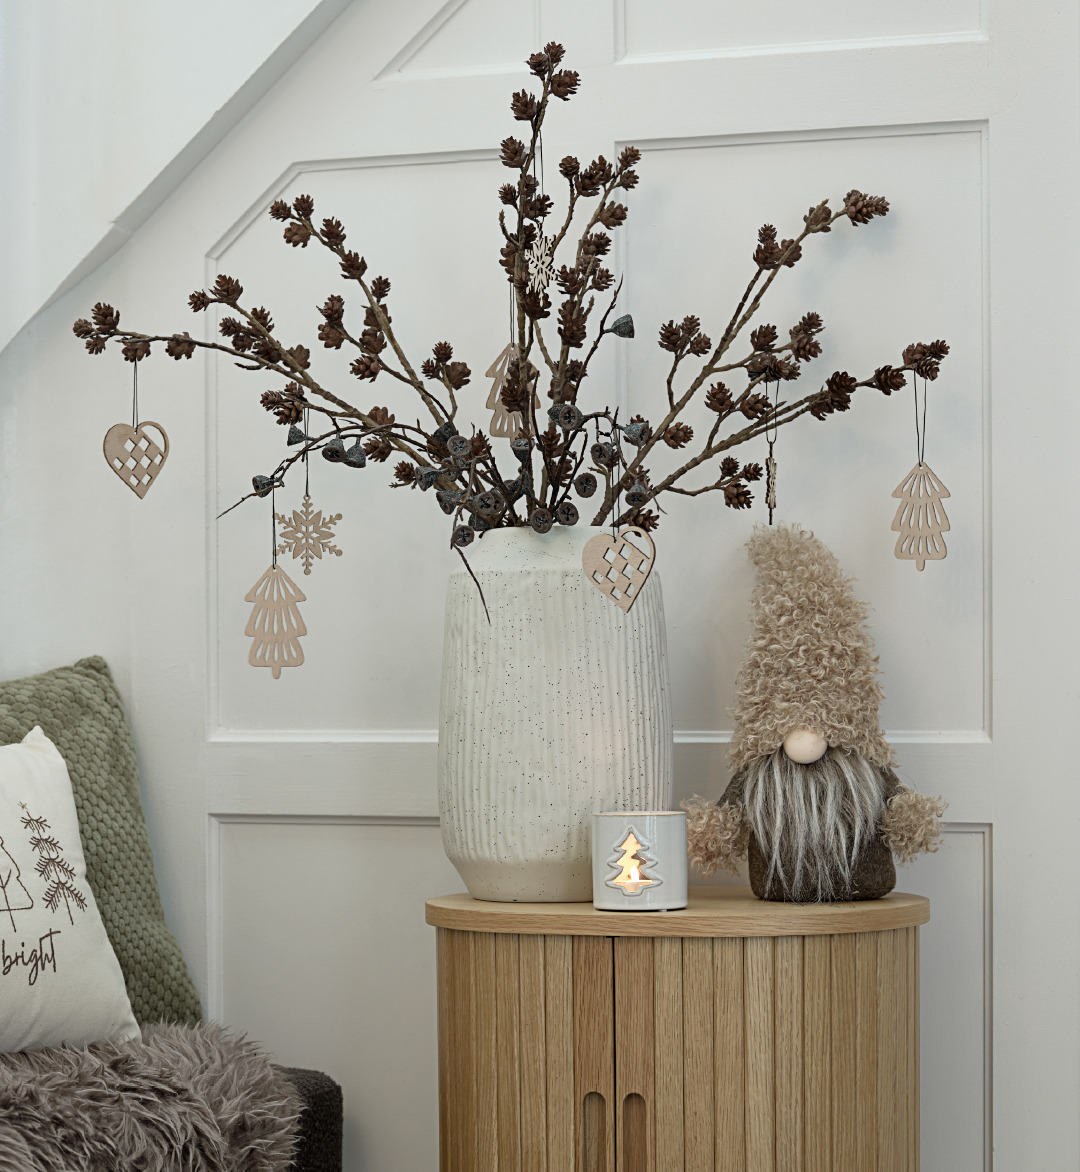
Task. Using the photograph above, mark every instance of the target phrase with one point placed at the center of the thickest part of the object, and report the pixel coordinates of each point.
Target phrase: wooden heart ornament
(618, 566)
(134, 456)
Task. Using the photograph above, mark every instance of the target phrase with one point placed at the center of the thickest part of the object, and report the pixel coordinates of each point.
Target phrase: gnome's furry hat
(810, 661)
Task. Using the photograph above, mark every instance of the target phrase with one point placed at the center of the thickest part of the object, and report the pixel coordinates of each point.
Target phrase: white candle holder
(639, 860)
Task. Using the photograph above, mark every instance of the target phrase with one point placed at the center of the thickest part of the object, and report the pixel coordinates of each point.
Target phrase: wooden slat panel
(559, 980)
(634, 1053)
(729, 1047)
(817, 1063)
(760, 1063)
(789, 1053)
(508, 1051)
(844, 1007)
(905, 1012)
(916, 1076)
(889, 1139)
(594, 1044)
(698, 1055)
(461, 1065)
(866, 1072)
(534, 1058)
(484, 1047)
(442, 969)
(668, 1051)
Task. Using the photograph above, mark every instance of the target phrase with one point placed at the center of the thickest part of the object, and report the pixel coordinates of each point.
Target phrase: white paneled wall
(294, 820)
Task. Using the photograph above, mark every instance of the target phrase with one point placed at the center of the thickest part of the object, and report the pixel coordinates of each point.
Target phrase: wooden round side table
(731, 1036)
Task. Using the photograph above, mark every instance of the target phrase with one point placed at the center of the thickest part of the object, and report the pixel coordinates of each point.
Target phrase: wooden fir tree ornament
(275, 623)
(307, 534)
(920, 519)
(506, 424)
(619, 566)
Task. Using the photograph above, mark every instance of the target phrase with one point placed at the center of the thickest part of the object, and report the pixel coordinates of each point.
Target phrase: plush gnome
(813, 799)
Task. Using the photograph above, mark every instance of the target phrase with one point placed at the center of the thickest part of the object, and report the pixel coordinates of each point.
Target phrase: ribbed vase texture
(557, 709)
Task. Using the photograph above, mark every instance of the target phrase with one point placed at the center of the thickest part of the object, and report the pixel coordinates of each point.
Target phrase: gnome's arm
(718, 833)
(911, 823)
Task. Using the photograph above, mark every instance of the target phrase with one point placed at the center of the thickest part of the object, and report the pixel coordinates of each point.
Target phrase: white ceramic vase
(557, 709)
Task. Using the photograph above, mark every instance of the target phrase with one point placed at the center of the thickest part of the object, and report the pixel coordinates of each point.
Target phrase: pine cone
(280, 210)
(136, 349)
(106, 318)
(751, 472)
(767, 253)
(754, 406)
(180, 346)
(330, 336)
(564, 84)
(228, 289)
(304, 206)
(512, 153)
(678, 435)
(380, 288)
(737, 495)
(365, 367)
(718, 399)
(763, 338)
(804, 346)
(861, 209)
(817, 219)
(729, 466)
(333, 309)
(378, 448)
(405, 472)
(888, 379)
(353, 266)
(644, 519)
(333, 233)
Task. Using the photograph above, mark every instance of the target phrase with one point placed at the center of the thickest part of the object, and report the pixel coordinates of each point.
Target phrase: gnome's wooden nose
(804, 745)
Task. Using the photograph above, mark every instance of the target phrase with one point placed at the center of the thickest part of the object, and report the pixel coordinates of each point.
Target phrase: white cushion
(60, 980)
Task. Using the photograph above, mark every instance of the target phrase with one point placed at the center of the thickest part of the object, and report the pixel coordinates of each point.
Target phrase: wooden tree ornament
(617, 566)
(275, 623)
(920, 520)
(506, 424)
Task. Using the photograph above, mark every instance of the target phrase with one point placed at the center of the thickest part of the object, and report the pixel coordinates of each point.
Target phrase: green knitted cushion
(79, 709)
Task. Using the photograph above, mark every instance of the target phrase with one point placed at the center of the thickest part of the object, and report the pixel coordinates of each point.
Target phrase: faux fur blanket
(184, 1100)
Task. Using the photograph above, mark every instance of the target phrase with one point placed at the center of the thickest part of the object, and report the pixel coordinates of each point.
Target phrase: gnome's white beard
(812, 822)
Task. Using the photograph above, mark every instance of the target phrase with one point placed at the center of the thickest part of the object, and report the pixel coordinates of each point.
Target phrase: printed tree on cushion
(57, 872)
(275, 623)
(13, 895)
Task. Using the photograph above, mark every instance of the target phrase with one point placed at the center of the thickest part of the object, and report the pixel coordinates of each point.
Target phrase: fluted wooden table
(732, 1036)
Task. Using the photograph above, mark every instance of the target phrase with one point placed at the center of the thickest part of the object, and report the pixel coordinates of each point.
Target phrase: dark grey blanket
(184, 1100)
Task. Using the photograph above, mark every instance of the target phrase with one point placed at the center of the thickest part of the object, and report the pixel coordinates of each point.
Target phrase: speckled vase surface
(559, 709)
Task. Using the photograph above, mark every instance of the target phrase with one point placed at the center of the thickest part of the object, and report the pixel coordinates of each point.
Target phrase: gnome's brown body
(872, 876)
(824, 824)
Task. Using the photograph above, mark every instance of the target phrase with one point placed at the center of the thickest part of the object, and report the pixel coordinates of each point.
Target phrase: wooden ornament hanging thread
(131, 451)
(770, 461)
(920, 518)
(619, 566)
(275, 623)
(308, 533)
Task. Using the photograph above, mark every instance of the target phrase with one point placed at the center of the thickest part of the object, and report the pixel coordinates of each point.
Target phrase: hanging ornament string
(920, 429)
(273, 525)
(920, 518)
(131, 452)
(771, 430)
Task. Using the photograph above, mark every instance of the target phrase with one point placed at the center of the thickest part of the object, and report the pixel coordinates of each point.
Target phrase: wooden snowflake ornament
(920, 520)
(541, 260)
(307, 534)
(275, 623)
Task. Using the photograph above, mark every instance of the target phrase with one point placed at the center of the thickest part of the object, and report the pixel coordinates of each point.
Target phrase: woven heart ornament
(619, 566)
(134, 456)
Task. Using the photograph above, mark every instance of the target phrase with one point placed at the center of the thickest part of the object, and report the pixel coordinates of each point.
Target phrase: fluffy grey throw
(185, 1100)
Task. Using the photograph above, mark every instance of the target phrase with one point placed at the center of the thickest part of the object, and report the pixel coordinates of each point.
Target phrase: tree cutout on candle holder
(275, 623)
(629, 860)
